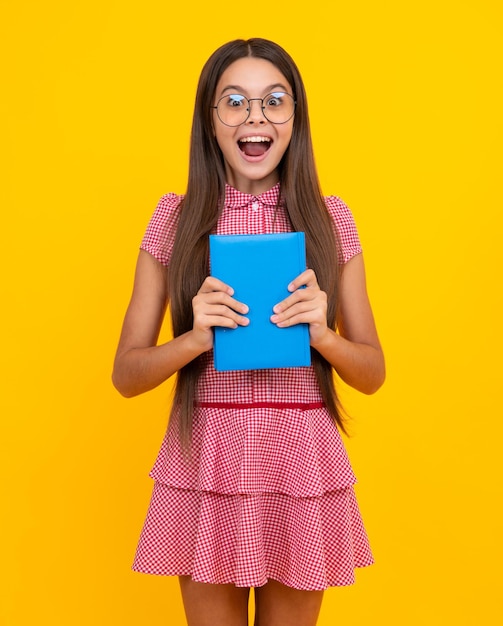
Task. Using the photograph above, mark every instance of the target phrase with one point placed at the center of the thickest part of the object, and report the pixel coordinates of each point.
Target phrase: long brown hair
(201, 208)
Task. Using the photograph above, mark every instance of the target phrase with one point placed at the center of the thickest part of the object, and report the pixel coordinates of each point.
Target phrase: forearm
(138, 370)
(359, 365)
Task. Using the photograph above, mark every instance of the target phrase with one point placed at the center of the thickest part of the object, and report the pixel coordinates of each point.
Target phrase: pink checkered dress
(268, 490)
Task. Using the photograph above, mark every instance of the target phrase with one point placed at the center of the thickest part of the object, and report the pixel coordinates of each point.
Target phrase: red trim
(303, 406)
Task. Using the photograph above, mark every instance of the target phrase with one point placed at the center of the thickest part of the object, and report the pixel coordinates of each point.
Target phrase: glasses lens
(232, 109)
(279, 107)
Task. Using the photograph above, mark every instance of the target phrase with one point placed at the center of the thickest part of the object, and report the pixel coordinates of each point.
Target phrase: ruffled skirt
(294, 518)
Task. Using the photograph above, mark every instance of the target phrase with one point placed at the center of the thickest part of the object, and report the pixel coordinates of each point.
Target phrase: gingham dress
(268, 490)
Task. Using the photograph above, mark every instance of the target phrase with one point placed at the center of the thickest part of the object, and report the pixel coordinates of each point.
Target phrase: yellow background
(406, 113)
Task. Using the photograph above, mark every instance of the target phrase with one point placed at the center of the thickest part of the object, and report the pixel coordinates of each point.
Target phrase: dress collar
(235, 199)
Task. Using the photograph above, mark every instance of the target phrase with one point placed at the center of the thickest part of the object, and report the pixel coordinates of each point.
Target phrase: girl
(253, 487)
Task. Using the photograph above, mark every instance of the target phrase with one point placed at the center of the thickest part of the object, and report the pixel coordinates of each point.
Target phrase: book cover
(259, 268)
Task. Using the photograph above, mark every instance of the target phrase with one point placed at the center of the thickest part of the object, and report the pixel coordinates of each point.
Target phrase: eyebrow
(267, 90)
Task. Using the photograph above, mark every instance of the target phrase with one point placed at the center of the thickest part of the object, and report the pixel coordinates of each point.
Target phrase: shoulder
(345, 227)
(159, 236)
(167, 208)
(339, 211)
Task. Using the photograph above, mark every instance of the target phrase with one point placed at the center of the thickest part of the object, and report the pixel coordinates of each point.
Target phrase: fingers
(305, 288)
(213, 305)
(212, 284)
(312, 311)
(214, 311)
(307, 304)
(306, 279)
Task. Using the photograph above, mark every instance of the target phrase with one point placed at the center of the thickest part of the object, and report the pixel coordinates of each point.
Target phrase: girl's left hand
(306, 305)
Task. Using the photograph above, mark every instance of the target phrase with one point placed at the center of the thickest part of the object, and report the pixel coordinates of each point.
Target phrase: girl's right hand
(213, 305)
(140, 363)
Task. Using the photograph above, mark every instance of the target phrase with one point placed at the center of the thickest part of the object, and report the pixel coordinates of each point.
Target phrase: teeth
(255, 139)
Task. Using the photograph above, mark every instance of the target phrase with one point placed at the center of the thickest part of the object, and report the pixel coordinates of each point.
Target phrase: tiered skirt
(266, 493)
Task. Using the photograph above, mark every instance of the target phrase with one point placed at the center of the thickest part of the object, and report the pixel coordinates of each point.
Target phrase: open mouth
(254, 146)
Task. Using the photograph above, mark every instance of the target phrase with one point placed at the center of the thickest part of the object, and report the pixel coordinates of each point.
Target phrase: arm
(140, 364)
(355, 352)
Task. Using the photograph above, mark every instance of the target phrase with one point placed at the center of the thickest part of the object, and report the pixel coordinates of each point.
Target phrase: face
(253, 150)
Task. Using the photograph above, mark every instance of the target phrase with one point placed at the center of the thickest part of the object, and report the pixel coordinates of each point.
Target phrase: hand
(306, 305)
(213, 305)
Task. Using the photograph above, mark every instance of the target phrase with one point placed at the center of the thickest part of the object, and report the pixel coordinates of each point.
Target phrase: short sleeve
(160, 234)
(345, 227)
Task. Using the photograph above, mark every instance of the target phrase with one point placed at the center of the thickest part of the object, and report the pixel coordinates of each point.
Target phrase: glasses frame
(262, 106)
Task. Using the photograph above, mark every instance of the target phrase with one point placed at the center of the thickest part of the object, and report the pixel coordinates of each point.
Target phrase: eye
(235, 100)
(274, 99)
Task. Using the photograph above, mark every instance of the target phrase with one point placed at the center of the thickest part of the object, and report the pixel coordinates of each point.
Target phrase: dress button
(255, 206)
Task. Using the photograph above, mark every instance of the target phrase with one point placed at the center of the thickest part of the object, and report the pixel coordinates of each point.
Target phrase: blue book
(259, 268)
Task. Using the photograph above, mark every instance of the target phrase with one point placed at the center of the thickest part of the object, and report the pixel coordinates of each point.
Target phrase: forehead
(252, 76)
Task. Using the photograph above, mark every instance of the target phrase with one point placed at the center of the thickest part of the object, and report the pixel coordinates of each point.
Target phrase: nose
(256, 112)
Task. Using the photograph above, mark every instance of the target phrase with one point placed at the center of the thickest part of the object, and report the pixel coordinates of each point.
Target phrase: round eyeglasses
(234, 109)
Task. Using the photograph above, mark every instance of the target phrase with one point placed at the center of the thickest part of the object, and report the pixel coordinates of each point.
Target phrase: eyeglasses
(234, 109)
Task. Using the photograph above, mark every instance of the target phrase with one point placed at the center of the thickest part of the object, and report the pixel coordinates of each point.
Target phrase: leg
(208, 605)
(278, 605)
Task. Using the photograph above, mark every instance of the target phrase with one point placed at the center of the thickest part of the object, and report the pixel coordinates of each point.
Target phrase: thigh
(207, 605)
(279, 605)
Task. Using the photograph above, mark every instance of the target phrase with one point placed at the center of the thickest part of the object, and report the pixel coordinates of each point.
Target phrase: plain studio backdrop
(405, 103)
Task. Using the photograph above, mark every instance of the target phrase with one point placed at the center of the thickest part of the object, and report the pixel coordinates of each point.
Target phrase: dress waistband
(303, 406)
